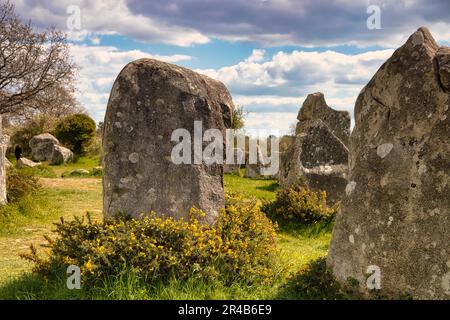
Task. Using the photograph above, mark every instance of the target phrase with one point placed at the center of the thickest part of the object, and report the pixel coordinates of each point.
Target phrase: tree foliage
(35, 66)
(76, 132)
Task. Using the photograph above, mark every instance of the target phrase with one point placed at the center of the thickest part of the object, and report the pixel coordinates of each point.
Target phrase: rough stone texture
(42, 146)
(315, 107)
(316, 159)
(60, 155)
(4, 141)
(148, 101)
(396, 214)
(45, 147)
(24, 162)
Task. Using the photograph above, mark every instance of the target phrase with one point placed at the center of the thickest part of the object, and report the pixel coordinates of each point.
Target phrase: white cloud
(100, 66)
(107, 17)
(273, 90)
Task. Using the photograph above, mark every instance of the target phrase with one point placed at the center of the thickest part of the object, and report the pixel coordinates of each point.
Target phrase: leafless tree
(35, 67)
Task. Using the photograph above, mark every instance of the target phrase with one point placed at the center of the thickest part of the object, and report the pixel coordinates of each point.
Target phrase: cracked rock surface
(396, 211)
(148, 101)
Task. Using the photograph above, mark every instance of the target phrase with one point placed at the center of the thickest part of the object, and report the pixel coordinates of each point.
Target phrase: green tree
(76, 132)
(238, 121)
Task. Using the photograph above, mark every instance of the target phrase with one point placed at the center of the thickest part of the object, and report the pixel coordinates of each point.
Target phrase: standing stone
(396, 213)
(4, 141)
(148, 101)
(255, 170)
(238, 159)
(315, 107)
(318, 157)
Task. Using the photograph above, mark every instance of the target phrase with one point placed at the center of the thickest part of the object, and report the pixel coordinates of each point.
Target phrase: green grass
(48, 171)
(26, 222)
(263, 189)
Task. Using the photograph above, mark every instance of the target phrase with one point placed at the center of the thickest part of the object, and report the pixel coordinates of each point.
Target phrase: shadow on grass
(296, 228)
(314, 281)
(271, 187)
(34, 287)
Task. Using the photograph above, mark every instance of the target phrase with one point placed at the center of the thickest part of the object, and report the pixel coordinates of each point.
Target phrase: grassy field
(27, 221)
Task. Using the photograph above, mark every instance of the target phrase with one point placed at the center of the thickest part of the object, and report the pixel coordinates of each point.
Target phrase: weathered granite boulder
(45, 147)
(318, 157)
(60, 155)
(318, 160)
(42, 146)
(148, 101)
(315, 107)
(26, 163)
(396, 213)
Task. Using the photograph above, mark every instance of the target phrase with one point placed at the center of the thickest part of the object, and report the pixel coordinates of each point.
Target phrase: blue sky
(270, 54)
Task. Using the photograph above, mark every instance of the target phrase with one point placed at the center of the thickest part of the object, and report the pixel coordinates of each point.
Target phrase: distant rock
(318, 157)
(26, 163)
(149, 100)
(316, 108)
(79, 172)
(45, 147)
(255, 170)
(42, 146)
(234, 168)
(60, 155)
(395, 218)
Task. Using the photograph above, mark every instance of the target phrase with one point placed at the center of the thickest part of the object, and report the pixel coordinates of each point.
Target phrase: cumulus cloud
(107, 17)
(301, 22)
(297, 72)
(100, 65)
(266, 22)
(274, 88)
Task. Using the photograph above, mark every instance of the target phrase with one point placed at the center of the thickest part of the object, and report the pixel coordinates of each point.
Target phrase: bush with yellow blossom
(301, 204)
(241, 245)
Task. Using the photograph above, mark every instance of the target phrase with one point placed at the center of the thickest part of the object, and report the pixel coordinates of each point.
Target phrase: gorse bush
(301, 204)
(241, 245)
(19, 184)
(77, 132)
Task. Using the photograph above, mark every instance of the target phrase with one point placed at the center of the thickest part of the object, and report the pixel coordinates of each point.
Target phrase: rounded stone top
(43, 138)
